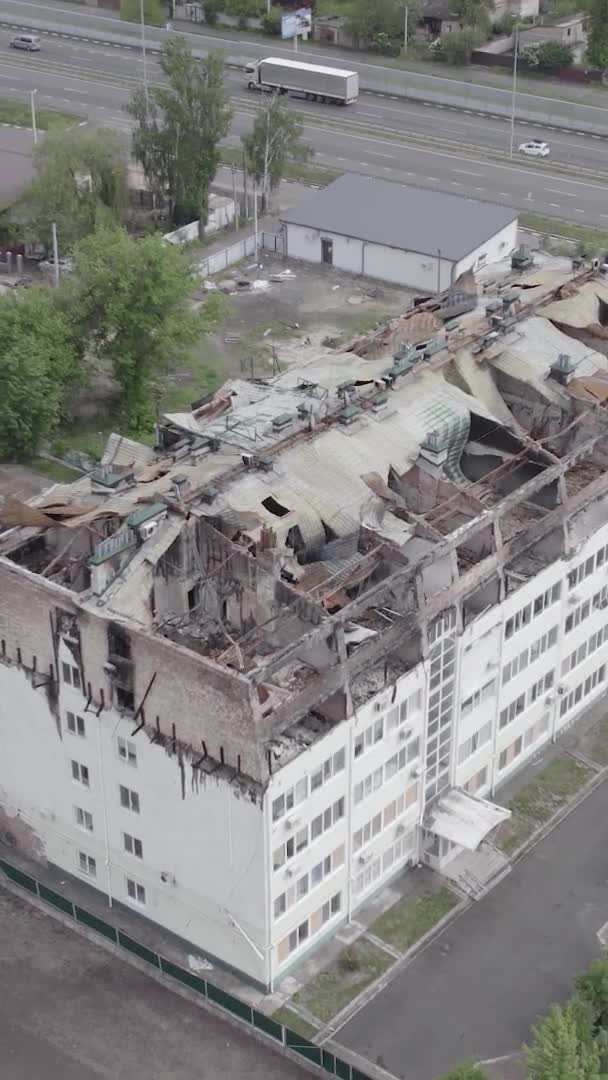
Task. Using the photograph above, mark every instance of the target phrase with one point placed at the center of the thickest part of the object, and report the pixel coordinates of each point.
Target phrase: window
(71, 675)
(87, 864)
(477, 781)
(331, 767)
(302, 887)
(83, 818)
(291, 847)
(582, 690)
(133, 845)
(475, 742)
(476, 699)
(514, 709)
(75, 724)
(80, 773)
(292, 797)
(399, 713)
(540, 687)
(576, 617)
(546, 598)
(365, 787)
(280, 905)
(515, 623)
(580, 572)
(127, 751)
(510, 753)
(136, 892)
(129, 799)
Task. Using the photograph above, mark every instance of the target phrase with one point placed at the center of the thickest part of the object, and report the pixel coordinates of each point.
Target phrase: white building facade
(254, 883)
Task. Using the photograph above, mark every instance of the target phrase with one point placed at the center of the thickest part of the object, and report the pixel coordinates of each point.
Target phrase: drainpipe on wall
(105, 814)
(349, 831)
(363, 247)
(267, 890)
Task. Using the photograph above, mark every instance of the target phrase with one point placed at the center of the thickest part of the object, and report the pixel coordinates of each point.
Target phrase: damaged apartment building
(250, 675)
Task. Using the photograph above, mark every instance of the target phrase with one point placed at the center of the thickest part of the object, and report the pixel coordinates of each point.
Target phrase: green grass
(405, 923)
(551, 789)
(294, 1021)
(294, 170)
(599, 745)
(594, 238)
(20, 115)
(60, 474)
(331, 990)
(540, 799)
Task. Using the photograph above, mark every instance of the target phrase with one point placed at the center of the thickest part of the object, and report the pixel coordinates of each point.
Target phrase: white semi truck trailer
(311, 81)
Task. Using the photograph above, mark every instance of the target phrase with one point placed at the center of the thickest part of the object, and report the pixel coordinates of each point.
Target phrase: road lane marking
(568, 194)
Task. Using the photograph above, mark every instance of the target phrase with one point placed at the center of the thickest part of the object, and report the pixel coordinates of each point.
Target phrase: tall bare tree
(275, 140)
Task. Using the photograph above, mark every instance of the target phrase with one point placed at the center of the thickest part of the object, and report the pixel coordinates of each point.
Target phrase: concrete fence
(221, 260)
(284, 1038)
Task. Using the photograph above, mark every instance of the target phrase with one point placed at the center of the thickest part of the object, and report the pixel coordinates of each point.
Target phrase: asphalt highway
(432, 146)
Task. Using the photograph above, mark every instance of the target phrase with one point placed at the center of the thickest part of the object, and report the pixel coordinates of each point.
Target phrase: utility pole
(234, 196)
(438, 271)
(255, 221)
(143, 49)
(55, 253)
(514, 91)
(405, 30)
(33, 108)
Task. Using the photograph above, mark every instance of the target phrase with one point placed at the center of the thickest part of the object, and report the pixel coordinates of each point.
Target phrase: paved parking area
(72, 1011)
(475, 991)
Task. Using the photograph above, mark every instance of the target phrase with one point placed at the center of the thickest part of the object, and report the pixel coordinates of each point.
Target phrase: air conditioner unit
(364, 859)
(405, 733)
(292, 871)
(603, 603)
(378, 706)
(399, 831)
(292, 823)
(573, 598)
(562, 689)
(110, 669)
(148, 529)
(549, 697)
(417, 772)
(491, 665)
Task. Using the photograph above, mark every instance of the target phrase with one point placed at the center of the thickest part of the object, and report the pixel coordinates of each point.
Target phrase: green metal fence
(327, 1063)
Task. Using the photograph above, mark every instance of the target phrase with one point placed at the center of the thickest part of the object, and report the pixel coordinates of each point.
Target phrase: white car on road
(534, 148)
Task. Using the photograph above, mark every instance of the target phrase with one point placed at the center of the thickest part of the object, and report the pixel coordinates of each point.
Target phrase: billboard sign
(296, 22)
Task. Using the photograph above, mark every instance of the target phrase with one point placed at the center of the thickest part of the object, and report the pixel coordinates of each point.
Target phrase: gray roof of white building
(403, 217)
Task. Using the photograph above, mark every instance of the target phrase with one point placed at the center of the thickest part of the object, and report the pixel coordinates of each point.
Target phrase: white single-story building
(409, 236)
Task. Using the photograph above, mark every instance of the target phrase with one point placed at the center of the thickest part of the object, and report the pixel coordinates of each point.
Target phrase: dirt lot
(313, 302)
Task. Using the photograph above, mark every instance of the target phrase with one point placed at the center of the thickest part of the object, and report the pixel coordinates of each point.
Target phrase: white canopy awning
(464, 819)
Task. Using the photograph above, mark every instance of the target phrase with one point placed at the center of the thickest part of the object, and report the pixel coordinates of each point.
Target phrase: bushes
(238, 9)
(271, 22)
(458, 47)
(548, 56)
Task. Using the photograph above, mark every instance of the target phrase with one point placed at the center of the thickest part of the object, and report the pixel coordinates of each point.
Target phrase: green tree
(381, 21)
(132, 298)
(548, 55)
(467, 1070)
(178, 130)
(458, 47)
(592, 987)
(597, 31)
(38, 366)
(80, 182)
(563, 1047)
(474, 13)
(275, 139)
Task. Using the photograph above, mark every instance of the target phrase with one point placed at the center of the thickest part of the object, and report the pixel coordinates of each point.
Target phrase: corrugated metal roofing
(408, 218)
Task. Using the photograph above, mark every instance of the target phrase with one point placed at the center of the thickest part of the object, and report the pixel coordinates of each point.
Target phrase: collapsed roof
(302, 530)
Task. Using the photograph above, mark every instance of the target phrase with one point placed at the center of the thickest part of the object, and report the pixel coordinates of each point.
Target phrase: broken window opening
(119, 643)
(275, 507)
(125, 699)
(194, 597)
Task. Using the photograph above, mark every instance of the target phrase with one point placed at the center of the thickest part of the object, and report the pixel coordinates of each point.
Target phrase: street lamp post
(405, 30)
(514, 91)
(33, 108)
